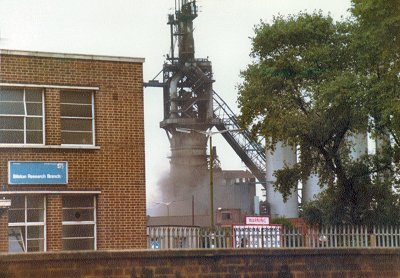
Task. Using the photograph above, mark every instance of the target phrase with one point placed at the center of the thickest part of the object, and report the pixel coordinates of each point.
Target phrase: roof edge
(71, 56)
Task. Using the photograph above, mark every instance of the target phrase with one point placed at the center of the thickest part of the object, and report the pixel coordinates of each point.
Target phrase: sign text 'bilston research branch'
(34, 172)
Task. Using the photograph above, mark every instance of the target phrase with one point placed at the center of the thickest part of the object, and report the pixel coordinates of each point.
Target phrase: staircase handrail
(252, 149)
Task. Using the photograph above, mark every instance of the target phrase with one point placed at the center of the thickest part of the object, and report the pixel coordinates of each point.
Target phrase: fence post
(372, 238)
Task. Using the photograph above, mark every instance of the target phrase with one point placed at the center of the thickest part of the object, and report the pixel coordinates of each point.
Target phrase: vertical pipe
(168, 215)
(172, 40)
(211, 185)
(192, 210)
(173, 94)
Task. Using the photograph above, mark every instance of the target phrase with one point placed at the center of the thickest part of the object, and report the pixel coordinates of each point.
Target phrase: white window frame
(92, 118)
(27, 224)
(25, 116)
(94, 223)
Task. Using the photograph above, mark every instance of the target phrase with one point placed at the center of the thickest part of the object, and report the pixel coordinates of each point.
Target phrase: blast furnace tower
(188, 100)
(190, 103)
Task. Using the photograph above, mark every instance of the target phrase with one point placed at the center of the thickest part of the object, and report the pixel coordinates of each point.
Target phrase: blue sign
(22, 172)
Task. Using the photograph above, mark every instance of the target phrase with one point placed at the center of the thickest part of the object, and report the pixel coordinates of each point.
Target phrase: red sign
(257, 220)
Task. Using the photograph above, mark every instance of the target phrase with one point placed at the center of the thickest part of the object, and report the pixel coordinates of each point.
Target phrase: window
(226, 216)
(26, 224)
(79, 223)
(21, 116)
(77, 122)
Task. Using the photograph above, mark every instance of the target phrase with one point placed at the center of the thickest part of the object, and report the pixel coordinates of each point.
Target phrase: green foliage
(283, 221)
(376, 205)
(316, 84)
(376, 43)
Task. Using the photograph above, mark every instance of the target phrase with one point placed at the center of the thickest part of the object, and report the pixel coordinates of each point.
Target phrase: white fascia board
(72, 56)
(49, 192)
(47, 86)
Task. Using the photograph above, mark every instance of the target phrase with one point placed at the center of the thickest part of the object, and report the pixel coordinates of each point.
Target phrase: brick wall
(116, 168)
(54, 226)
(3, 230)
(281, 263)
(53, 117)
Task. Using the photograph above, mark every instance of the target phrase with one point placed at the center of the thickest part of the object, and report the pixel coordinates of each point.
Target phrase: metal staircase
(251, 152)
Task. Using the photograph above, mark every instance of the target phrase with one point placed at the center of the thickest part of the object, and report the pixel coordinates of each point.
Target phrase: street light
(209, 133)
(167, 204)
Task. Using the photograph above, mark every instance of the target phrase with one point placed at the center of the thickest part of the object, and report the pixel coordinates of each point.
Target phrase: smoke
(177, 189)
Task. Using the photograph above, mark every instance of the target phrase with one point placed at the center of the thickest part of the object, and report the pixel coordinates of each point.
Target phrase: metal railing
(251, 152)
(217, 238)
(274, 236)
(173, 237)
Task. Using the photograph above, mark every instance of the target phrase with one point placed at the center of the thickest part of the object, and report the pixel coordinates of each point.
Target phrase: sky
(137, 28)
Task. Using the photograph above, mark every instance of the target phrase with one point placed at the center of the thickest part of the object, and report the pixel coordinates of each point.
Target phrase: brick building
(71, 152)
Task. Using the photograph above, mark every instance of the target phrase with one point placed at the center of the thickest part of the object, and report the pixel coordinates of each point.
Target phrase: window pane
(34, 109)
(16, 137)
(78, 214)
(9, 94)
(33, 95)
(81, 138)
(34, 133)
(18, 201)
(35, 215)
(16, 215)
(78, 231)
(76, 97)
(78, 201)
(12, 123)
(76, 125)
(35, 232)
(34, 137)
(76, 110)
(35, 201)
(78, 244)
(16, 239)
(35, 245)
(12, 108)
(34, 124)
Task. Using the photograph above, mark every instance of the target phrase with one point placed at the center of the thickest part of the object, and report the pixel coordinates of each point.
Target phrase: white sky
(138, 28)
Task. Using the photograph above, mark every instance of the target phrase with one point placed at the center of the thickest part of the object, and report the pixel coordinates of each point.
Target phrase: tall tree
(306, 89)
(376, 42)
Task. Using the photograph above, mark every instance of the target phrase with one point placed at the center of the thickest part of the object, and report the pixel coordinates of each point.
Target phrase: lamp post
(167, 204)
(209, 133)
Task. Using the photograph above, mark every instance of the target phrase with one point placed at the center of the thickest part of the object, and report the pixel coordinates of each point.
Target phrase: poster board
(257, 236)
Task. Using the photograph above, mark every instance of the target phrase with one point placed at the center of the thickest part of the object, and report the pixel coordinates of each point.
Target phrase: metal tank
(281, 156)
(311, 188)
(358, 144)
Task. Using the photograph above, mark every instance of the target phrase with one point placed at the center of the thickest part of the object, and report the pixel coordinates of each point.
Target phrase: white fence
(173, 237)
(343, 237)
(273, 237)
(257, 236)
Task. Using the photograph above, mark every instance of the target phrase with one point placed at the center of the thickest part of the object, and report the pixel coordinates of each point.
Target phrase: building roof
(72, 56)
(233, 174)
